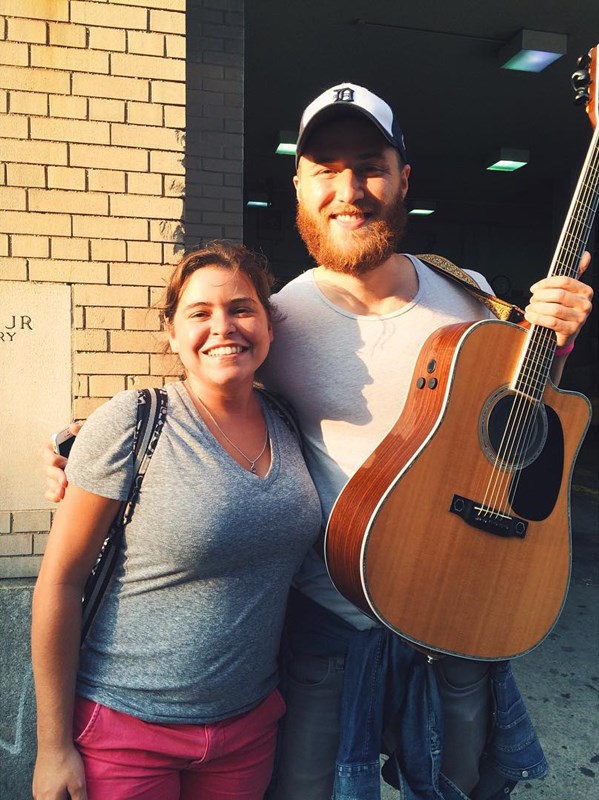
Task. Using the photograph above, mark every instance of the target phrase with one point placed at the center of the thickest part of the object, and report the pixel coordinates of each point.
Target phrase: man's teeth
(225, 351)
(349, 217)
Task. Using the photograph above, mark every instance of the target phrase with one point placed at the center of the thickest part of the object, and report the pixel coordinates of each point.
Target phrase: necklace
(251, 461)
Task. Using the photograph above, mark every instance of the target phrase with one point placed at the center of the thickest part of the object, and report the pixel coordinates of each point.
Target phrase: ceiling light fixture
(257, 200)
(532, 51)
(286, 146)
(421, 208)
(509, 160)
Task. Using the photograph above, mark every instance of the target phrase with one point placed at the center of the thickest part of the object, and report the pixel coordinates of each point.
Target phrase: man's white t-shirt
(348, 377)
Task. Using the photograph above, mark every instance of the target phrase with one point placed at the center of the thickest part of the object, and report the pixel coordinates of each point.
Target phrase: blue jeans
(387, 685)
(309, 731)
(309, 739)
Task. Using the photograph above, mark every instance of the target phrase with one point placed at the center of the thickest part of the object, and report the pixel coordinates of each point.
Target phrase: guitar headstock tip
(584, 61)
(584, 83)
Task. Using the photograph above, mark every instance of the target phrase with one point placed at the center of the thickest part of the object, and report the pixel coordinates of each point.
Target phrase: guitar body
(407, 541)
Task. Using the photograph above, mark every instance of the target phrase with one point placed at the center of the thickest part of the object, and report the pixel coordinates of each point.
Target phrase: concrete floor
(559, 680)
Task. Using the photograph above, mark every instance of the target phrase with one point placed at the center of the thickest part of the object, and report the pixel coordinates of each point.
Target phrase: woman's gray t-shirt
(189, 629)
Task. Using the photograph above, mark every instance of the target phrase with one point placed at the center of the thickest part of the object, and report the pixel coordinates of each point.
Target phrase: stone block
(26, 30)
(29, 79)
(29, 103)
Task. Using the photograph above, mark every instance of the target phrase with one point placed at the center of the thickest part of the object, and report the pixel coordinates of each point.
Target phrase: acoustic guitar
(455, 533)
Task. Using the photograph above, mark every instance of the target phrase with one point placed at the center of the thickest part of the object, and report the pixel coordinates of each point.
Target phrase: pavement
(559, 680)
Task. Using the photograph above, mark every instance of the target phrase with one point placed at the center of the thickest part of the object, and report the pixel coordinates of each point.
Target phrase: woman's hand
(59, 775)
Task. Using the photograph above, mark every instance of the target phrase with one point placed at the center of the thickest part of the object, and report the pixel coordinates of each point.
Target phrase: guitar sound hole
(514, 430)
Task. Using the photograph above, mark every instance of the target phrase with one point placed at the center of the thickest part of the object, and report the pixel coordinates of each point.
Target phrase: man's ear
(296, 183)
(405, 180)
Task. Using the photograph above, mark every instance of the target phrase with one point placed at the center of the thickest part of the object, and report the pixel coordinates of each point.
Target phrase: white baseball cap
(348, 97)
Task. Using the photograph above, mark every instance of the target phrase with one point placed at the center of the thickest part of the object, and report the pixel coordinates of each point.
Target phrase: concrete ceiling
(436, 62)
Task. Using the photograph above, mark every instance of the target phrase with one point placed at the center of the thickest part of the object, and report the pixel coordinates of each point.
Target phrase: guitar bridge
(488, 519)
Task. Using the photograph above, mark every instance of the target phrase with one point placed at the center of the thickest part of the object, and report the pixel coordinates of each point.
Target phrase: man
(344, 356)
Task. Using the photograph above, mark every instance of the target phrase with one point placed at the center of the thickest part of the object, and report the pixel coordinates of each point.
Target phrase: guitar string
(511, 442)
(498, 489)
(527, 427)
(518, 434)
(521, 426)
(514, 446)
(513, 454)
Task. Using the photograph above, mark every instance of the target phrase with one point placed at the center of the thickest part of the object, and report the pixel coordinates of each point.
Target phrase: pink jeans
(126, 758)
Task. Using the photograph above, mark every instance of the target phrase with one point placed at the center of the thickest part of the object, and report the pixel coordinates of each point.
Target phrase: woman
(173, 694)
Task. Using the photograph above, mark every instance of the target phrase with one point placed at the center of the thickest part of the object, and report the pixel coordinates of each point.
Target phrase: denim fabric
(370, 702)
(309, 732)
(386, 681)
(514, 748)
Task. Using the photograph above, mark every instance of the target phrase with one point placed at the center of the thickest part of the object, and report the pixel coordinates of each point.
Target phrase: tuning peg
(581, 97)
(581, 80)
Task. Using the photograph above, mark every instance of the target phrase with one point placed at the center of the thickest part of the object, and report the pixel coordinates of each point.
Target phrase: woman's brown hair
(233, 257)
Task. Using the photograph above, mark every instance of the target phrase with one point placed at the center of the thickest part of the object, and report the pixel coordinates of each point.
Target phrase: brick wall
(214, 138)
(93, 174)
(94, 96)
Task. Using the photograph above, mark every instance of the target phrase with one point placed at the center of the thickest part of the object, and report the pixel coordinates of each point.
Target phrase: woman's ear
(173, 342)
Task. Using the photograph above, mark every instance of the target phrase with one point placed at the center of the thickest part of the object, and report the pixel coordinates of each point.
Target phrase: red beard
(365, 249)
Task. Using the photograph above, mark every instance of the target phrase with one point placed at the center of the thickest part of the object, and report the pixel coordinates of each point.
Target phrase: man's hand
(56, 480)
(562, 304)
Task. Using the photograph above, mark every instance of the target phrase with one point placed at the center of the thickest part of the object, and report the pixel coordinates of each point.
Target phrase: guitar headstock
(586, 84)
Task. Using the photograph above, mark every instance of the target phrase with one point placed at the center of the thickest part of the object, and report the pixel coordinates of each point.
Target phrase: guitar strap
(507, 312)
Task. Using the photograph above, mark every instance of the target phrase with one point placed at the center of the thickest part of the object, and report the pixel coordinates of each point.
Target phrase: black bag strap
(501, 308)
(151, 413)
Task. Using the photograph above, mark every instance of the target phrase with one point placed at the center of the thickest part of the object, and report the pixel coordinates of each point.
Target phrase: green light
(285, 149)
(505, 165)
(509, 160)
(531, 61)
(421, 212)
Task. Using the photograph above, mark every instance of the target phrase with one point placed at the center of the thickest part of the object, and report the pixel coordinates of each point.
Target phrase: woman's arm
(80, 525)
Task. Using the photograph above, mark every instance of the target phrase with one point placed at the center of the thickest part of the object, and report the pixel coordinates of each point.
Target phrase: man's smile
(351, 219)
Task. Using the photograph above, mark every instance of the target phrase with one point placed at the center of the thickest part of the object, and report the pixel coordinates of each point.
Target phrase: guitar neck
(579, 221)
(533, 372)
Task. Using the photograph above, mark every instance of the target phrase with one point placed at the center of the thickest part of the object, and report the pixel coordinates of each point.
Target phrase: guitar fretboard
(537, 359)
